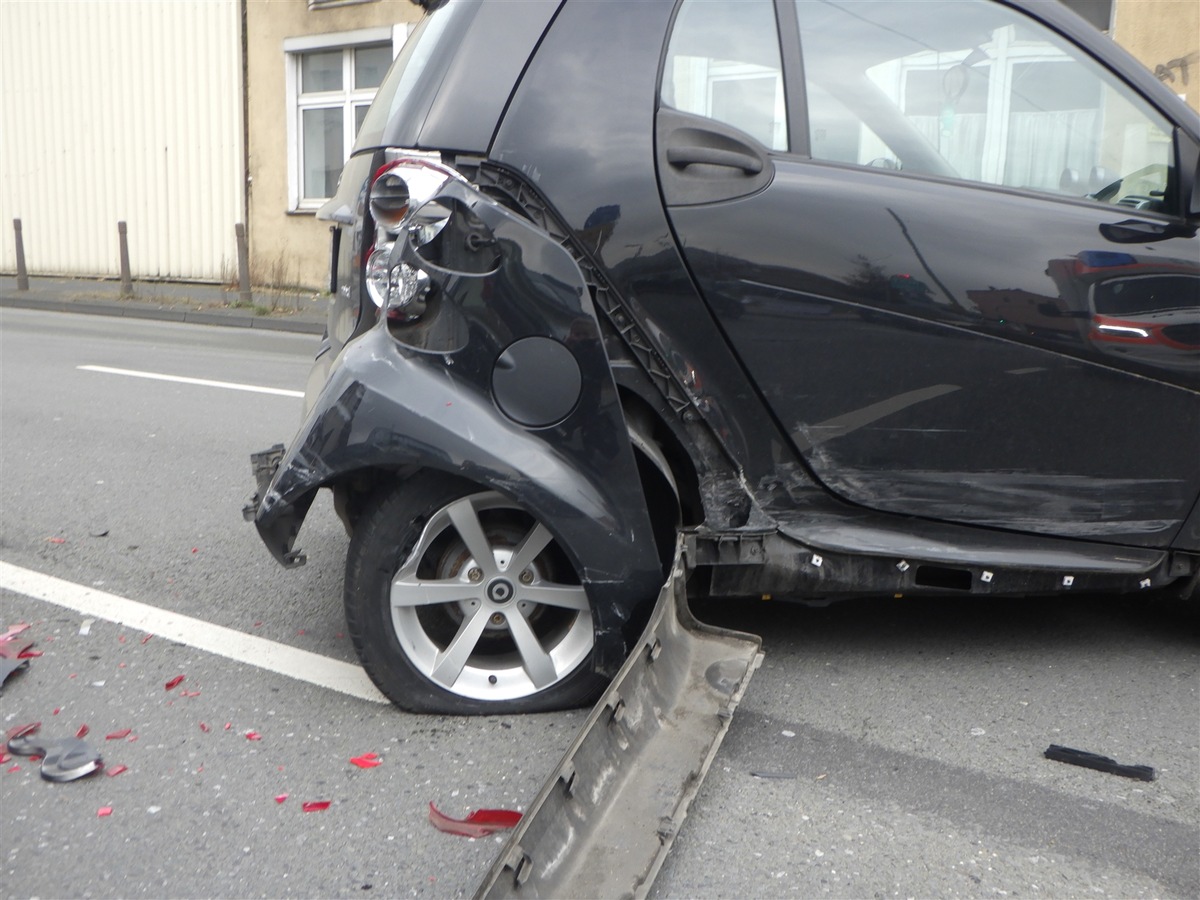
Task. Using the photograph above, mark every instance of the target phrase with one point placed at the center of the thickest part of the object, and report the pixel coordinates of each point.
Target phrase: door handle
(682, 157)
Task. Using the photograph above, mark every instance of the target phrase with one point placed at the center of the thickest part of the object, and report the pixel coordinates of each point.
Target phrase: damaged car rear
(821, 287)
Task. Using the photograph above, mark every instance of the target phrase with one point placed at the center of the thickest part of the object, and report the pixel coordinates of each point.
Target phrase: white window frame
(349, 98)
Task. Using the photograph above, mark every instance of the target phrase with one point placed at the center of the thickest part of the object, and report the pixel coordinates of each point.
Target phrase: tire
(443, 622)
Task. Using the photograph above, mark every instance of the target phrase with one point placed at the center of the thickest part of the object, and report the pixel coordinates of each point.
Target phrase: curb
(234, 318)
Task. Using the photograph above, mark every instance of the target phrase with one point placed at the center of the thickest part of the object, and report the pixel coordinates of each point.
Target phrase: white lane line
(216, 639)
(203, 382)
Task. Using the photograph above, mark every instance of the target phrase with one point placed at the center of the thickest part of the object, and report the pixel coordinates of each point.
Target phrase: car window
(723, 64)
(975, 90)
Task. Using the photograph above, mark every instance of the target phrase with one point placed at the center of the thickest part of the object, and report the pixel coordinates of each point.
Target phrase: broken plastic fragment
(279, 798)
(480, 823)
(82, 732)
(12, 631)
(8, 666)
(29, 654)
(203, 726)
(113, 771)
(12, 769)
(22, 730)
(56, 540)
(64, 759)
(253, 736)
(315, 805)
(103, 811)
(118, 735)
(147, 638)
(174, 683)
(367, 761)
(189, 693)
(1100, 763)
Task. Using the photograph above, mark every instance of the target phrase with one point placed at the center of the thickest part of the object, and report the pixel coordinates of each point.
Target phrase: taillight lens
(400, 205)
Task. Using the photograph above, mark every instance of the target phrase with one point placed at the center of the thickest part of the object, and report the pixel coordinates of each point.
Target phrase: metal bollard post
(126, 278)
(22, 275)
(243, 254)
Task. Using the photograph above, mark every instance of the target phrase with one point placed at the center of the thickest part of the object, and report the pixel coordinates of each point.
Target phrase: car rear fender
(476, 389)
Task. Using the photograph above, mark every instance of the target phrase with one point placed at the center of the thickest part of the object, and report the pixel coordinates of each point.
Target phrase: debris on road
(480, 823)
(64, 759)
(1100, 763)
(312, 805)
(367, 760)
(174, 683)
(14, 654)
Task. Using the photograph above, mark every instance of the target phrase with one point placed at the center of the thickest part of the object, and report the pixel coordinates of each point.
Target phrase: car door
(949, 248)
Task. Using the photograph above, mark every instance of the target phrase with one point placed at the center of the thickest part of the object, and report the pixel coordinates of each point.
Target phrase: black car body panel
(855, 377)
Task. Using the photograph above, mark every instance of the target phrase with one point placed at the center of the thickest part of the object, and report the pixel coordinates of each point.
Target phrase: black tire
(495, 644)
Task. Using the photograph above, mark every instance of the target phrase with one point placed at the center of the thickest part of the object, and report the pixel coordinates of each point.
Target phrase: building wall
(288, 247)
(1165, 35)
(121, 112)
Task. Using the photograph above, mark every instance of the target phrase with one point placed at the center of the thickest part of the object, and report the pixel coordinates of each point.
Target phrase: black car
(858, 296)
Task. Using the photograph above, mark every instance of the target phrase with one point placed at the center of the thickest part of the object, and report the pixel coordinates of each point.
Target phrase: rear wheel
(460, 601)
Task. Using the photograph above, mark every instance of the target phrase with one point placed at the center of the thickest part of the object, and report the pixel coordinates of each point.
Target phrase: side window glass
(975, 90)
(723, 64)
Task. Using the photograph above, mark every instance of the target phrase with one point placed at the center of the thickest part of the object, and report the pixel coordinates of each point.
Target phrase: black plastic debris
(64, 759)
(1099, 763)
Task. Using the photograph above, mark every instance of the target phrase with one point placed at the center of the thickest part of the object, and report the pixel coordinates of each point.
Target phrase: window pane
(370, 65)
(360, 113)
(323, 141)
(321, 71)
(723, 63)
(976, 91)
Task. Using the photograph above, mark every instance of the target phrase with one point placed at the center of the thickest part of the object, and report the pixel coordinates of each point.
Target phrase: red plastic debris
(118, 735)
(174, 683)
(480, 823)
(279, 798)
(29, 654)
(316, 805)
(146, 639)
(12, 769)
(204, 727)
(21, 730)
(82, 732)
(103, 811)
(367, 761)
(121, 639)
(113, 771)
(13, 631)
(4, 757)
(189, 693)
(195, 549)
(253, 736)
(57, 710)
(228, 725)
(56, 540)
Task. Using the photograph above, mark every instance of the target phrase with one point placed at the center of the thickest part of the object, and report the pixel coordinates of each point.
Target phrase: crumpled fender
(405, 396)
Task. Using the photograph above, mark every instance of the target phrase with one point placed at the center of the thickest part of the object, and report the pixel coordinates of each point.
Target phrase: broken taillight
(404, 210)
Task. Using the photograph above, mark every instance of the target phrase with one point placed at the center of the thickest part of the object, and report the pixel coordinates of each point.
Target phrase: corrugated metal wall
(121, 110)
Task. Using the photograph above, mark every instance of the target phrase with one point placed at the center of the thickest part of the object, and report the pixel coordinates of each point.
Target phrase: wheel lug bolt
(475, 574)
(497, 619)
(526, 577)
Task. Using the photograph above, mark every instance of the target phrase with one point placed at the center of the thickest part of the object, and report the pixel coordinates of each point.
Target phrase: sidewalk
(206, 304)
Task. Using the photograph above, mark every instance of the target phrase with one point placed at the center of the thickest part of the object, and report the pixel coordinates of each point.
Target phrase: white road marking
(216, 639)
(202, 382)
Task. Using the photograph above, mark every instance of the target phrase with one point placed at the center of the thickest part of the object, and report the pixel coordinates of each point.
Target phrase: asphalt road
(902, 740)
